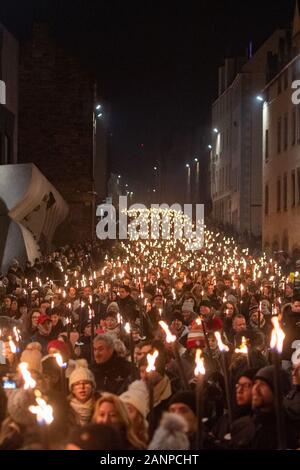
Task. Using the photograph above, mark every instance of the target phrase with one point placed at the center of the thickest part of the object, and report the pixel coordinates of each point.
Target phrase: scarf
(162, 391)
(83, 411)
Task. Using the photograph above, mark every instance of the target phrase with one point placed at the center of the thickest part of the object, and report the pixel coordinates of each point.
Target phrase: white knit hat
(113, 307)
(33, 358)
(81, 373)
(171, 434)
(137, 395)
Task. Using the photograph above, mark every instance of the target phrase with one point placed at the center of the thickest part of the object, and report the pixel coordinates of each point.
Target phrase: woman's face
(72, 292)
(34, 318)
(82, 390)
(107, 415)
(132, 412)
(229, 311)
(14, 305)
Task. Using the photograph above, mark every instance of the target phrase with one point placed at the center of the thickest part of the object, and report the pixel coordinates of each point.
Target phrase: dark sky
(156, 60)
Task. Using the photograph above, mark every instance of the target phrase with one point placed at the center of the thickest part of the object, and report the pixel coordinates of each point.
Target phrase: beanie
(186, 397)
(113, 307)
(196, 338)
(60, 346)
(81, 373)
(267, 375)
(249, 373)
(18, 407)
(33, 358)
(137, 396)
(188, 306)
(205, 303)
(171, 434)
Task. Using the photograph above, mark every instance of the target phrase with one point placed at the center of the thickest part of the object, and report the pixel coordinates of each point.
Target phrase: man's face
(296, 375)
(72, 292)
(288, 291)
(45, 328)
(243, 391)
(262, 396)
(227, 283)
(145, 350)
(111, 322)
(23, 310)
(138, 355)
(185, 411)
(122, 293)
(205, 311)
(179, 285)
(87, 291)
(56, 301)
(158, 301)
(54, 319)
(135, 295)
(239, 324)
(296, 306)
(177, 324)
(7, 302)
(102, 352)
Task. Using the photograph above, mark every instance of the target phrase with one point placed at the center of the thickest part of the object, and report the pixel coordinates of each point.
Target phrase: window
(278, 195)
(298, 185)
(298, 125)
(293, 184)
(279, 85)
(293, 127)
(285, 132)
(267, 145)
(6, 149)
(286, 79)
(266, 200)
(279, 135)
(285, 189)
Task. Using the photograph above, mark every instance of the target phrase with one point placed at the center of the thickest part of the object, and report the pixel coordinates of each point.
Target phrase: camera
(8, 384)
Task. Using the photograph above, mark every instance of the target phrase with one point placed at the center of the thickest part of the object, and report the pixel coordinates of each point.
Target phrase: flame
(16, 333)
(169, 337)
(198, 321)
(223, 347)
(243, 349)
(199, 361)
(277, 337)
(59, 360)
(12, 345)
(127, 328)
(29, 382)
(43, 411)
(52, 304)
(151, 358)
(90, 299)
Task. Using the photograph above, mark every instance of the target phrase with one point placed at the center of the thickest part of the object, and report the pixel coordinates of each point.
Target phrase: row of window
(283, 132)
(221, 180)
(282, 192)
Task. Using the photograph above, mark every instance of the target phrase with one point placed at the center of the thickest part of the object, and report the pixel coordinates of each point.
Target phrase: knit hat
(188, 306)
(177, 315)
(171, 434)
(81, 373)
(249, 373)
(137, 396)
(18, 407)
(43, 318)
(113, 307)
(33, 358)
(60, 346)
(96, 437)
(205, 303)
(196, 338)
(267, 375)
(186, 397)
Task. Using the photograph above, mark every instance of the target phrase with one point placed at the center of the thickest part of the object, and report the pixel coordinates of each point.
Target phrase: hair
(123, 417)
(296, 298)
(127, 288)
(224, 308)
(240, 316)
(106, 338)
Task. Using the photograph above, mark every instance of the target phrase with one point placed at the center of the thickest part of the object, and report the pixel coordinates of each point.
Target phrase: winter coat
(113, 376)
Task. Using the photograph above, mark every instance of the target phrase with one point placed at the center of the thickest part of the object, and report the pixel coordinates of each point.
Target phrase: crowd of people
(98, 348)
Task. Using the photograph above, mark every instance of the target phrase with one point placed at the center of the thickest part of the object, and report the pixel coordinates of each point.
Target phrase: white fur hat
(137, 396)
(171, 434)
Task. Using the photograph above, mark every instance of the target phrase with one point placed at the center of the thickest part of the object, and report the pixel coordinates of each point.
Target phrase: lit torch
(199, 374)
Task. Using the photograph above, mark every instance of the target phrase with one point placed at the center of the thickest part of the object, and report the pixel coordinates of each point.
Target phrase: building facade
(58, 128)
(236, 155)
(281, 149)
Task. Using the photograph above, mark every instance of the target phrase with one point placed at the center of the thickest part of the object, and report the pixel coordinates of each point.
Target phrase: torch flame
(151, 358)
(223, 347)
(243, 349)
(277, 337)
(127, 328)
(29, 382)
(12, 346)
(59, 360)
(169, 337)
(199, 361)
(43, 411)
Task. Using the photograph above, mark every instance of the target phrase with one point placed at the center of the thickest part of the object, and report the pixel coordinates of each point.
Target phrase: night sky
(156, 61)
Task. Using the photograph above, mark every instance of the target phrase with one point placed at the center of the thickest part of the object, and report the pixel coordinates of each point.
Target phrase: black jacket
(113, 376)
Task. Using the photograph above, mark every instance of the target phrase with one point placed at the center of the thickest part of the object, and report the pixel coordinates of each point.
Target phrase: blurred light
(155, 168)
(99, 115)
(119, 176)
(210, 147)
(196, 160)
(154, 190)
(98, 106)
(187, 165)
(126, 185)
(260, 98)
(216, 131)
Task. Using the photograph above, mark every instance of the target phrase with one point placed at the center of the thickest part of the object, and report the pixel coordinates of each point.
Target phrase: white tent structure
(31, 209)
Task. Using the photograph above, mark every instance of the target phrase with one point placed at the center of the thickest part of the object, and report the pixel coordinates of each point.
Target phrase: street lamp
(260, 98)
(216, 131)
(210, 147)
(196, 160)
(188, 182)
(155, 168)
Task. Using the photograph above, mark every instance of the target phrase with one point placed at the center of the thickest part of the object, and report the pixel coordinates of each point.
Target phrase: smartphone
(8, 384)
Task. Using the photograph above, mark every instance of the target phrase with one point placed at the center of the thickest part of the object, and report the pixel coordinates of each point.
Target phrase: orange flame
(223, 347)
(243, 349)
(199, 361)
(169, 337)
(277, 337)
(151, 358)
(29, 382)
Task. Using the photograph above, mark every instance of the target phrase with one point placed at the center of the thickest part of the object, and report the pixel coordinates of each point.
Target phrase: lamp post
(188, 183)
(197, 179)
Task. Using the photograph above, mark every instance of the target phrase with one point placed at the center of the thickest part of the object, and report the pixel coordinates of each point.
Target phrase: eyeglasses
(244, 386)
(82, 383)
